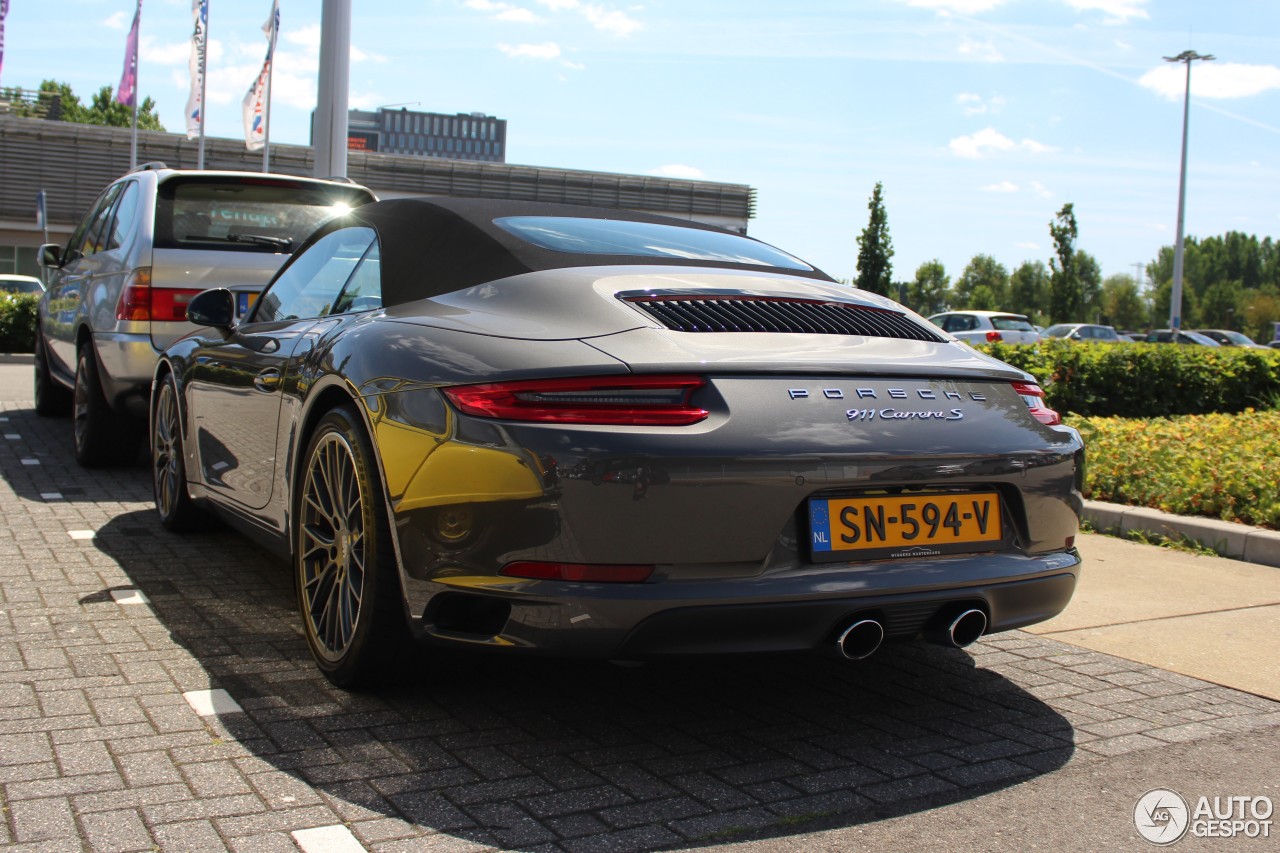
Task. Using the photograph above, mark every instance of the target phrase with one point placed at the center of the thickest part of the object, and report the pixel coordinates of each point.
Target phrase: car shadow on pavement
(527, 754)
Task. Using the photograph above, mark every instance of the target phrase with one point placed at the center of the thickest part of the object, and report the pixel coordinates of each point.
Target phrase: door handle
(268, 380)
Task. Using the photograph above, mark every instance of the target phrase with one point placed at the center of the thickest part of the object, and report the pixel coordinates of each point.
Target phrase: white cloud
(164, 54)
(973, 105)
(956, 7)
(678, 170)
(308, 36)
(1040, 190)
(984, 50)
(1117, 11)
(1212, 80)
(989, 140)
(117, 21)
(613, 21)
(358, 55)
(504, 11)
(610, 21)
(545, 51)
(1002, 187)
(1034, 247)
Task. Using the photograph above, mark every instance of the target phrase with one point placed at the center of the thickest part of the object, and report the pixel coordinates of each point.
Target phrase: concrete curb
(17, 358)
(1238, 541)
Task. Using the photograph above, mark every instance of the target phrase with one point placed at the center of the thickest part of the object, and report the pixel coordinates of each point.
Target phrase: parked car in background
(1091, 332)
(118, 291)
(982, 327)
(1182, 336)
(10, 283)
(1228, 338)
(521, 428)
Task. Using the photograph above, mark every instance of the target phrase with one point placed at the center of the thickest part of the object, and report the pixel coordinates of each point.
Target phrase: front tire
(348, 588)
(168, 465)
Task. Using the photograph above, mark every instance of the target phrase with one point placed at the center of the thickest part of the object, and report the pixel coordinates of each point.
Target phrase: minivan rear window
(246, 214)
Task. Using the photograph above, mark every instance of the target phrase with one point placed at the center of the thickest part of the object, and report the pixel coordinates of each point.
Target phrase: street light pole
(1175, 298)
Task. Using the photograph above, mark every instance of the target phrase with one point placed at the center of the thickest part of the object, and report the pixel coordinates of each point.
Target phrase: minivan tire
(102, 437)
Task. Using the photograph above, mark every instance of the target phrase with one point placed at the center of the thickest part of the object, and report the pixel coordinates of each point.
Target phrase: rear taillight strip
(1033, 396)
(644, 400)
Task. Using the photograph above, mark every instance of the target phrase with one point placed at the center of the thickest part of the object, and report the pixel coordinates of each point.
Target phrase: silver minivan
(118, 291)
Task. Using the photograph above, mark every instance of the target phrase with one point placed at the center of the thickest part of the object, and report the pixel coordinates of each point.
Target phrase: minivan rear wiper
(283, 243)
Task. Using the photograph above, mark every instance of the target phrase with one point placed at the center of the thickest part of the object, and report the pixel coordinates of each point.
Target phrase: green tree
(875, 249)
(1089, 274)
(1261, 311)
(928, 293)
(1122, 303)
(58, 102)
(1066, 302)
(983, 286)
(1029, 291)
(1221, 306)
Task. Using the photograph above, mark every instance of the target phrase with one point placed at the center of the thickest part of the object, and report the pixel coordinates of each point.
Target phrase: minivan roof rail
(147, 167)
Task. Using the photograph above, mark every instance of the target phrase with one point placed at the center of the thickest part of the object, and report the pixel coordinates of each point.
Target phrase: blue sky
(980, 117)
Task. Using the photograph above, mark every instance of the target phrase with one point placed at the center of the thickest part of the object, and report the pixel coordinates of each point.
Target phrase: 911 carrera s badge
(900, 415)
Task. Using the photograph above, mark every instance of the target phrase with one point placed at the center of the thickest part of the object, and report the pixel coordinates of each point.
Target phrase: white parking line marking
(30, 461)
(327, 839)
(211, 703)
(81, 534)
(51, 496)
(12, 436)
(130, 596)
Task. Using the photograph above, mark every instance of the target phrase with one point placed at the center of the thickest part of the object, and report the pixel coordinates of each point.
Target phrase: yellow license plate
(904, 525)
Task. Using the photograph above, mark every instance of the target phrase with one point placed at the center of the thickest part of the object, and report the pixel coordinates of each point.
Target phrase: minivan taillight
(1033, 396)
(140, 301)
(621, 400)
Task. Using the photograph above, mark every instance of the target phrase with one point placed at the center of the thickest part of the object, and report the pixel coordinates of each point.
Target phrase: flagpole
(266, 111)
(204, 80)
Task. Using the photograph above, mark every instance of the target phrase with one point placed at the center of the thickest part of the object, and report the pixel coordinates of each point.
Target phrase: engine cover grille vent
(779, 314)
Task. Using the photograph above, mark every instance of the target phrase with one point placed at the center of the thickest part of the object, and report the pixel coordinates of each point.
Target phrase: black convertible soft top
(431, 246)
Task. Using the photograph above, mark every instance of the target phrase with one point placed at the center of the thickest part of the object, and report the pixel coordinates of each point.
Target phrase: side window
(125, 215)
(310, 284)
(79, 237)
(95, 239)
(364, 291)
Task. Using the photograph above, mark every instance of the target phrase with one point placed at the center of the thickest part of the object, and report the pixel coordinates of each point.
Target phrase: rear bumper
(797, 613)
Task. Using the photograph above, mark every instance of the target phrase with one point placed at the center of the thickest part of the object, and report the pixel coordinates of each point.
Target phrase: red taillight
(140, 301)
(1033, 396)
(994, 337)
(135, 296)
(582, 572)
(622, 400)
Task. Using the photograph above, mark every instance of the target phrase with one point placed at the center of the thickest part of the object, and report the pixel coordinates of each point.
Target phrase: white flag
(199, 52)
(255, 104)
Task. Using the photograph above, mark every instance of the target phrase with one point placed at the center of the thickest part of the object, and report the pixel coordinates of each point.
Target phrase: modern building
(71, 163)
(463, 136)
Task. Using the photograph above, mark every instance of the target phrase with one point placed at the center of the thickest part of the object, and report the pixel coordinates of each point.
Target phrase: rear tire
(168, 465)
(102, 437)
(348, 586)
(52, 399)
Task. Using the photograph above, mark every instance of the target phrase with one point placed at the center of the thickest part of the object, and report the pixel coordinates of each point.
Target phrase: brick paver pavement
(111, 626)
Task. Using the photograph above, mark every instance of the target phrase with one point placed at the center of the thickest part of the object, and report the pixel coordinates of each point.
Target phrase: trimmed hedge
(1221, 466)
(18, 321)
(1147, 380)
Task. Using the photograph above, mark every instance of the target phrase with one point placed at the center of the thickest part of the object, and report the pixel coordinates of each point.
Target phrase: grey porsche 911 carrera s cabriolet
(538, 428)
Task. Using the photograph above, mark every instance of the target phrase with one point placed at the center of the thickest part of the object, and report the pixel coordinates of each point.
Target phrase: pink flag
(127, 91)
(4, 10)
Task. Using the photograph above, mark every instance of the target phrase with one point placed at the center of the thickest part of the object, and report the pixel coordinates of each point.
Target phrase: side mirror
(49, 256)
(216, 308)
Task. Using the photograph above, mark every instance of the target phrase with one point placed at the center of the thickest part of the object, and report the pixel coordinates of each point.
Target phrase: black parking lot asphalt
(115, 631)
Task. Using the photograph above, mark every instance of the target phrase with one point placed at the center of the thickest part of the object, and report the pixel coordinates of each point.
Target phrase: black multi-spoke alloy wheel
(52, 399)
(102, 437)
(168, 467)
(348, 589)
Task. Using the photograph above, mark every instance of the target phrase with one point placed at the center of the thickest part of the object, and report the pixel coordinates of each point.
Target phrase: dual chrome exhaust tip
(958, 630)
